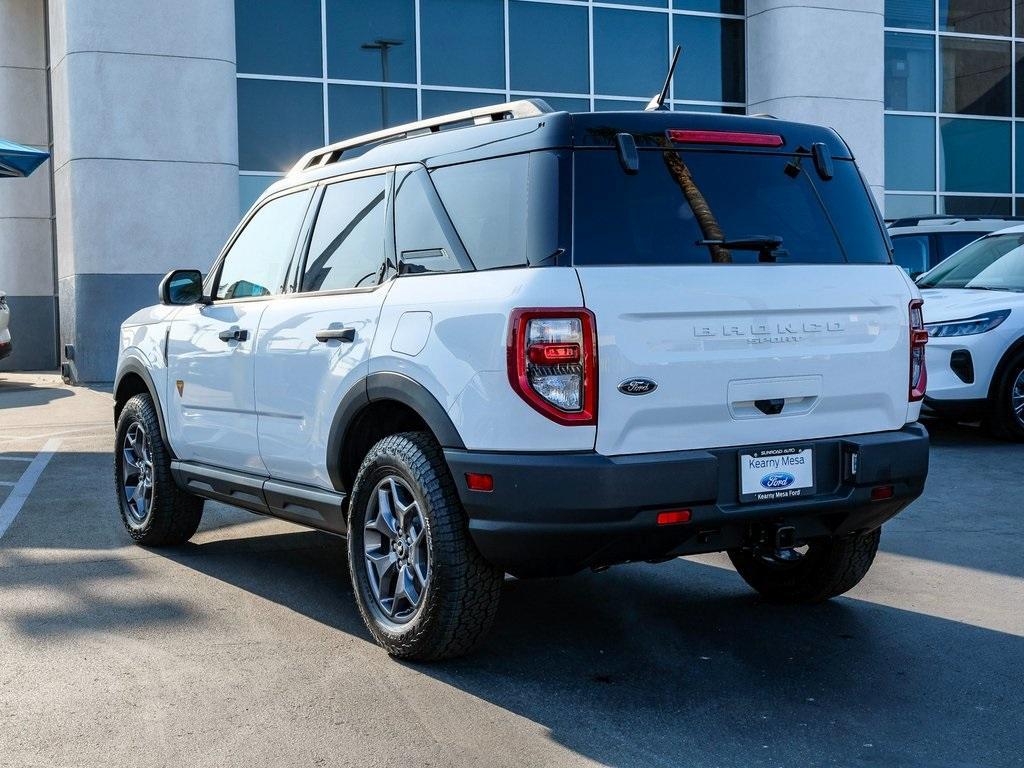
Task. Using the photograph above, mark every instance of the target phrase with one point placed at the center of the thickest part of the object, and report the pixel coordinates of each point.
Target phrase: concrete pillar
(26, 223)
(822, 61)
(145, 156)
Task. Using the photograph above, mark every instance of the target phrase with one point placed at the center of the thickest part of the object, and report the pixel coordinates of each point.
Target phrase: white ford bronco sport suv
(514, 340)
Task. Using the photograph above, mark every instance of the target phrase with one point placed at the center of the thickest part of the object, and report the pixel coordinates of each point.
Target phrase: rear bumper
(561, 512)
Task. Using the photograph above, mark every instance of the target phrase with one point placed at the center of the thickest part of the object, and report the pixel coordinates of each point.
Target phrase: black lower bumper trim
(558, 513)
(955, 409)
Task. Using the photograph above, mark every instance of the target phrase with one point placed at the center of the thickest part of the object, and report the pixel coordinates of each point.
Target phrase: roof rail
(479, 116)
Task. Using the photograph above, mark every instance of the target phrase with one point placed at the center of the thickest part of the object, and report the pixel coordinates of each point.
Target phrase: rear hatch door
(744, 340)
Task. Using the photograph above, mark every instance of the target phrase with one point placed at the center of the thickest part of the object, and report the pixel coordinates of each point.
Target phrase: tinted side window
(953, 242)
(258, 260)
(487, 202)
(425, 238)
(347, 249)
(911, 253)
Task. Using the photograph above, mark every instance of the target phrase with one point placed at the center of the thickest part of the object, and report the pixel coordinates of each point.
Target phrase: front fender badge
(637, 387)
(180, 385)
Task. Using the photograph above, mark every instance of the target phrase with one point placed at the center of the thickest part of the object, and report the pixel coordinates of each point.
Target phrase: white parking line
(14, 501)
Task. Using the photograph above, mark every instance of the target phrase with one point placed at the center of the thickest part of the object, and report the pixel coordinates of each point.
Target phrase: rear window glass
(661, 214)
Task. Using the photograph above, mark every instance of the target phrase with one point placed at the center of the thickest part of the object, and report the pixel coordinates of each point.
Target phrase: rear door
(313, 346)
(752, 343)
(211, 409)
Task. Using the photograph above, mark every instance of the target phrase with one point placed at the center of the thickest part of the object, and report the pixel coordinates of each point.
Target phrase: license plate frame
(775, 473)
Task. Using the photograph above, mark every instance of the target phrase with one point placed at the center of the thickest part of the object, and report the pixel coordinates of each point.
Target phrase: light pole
(382, 44)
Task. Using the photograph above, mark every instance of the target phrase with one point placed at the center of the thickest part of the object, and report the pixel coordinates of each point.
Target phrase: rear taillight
(918, 338)
(552, 363)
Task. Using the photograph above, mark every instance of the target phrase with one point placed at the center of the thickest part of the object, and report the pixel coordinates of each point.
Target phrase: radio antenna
(657, 102)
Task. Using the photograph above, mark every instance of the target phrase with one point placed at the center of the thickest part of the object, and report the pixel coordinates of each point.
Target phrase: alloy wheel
(395, 549)
(137, 475)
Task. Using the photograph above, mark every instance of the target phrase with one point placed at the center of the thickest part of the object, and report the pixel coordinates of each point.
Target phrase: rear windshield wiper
(768, 247)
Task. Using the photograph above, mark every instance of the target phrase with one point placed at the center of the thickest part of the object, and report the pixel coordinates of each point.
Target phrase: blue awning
(17, 160)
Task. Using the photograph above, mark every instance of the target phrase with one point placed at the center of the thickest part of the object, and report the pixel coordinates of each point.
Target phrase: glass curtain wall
(315, 71)
(954, 107)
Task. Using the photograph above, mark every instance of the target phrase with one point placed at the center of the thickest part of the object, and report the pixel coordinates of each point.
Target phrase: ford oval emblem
(775, 480)
(637, 387)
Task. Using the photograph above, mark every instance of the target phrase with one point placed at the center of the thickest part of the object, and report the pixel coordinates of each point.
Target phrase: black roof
(599, 128)
(437, 143)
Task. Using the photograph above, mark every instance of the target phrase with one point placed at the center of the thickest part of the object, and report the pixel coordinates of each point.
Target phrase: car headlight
(968, 327)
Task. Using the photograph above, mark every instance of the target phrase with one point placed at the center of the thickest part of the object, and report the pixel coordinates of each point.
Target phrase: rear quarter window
(505, 209)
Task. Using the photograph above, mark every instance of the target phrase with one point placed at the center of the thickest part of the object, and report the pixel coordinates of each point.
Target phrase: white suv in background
(921, 242)
(974, 313)
(514, 340)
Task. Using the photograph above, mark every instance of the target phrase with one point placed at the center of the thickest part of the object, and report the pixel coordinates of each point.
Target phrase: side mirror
(181, 287)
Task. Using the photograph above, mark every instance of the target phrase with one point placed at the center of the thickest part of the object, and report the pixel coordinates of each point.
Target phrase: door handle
(345, 335)
(234, 334)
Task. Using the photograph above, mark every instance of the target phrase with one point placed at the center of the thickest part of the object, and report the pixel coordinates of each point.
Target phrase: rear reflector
(882, 492)
(479, 482)
(674, 517)
(727, 137)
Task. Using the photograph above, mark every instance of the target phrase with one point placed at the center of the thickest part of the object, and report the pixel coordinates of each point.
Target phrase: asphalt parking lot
(245, 647)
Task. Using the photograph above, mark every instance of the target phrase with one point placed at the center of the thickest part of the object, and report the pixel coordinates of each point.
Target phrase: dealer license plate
(775, 474)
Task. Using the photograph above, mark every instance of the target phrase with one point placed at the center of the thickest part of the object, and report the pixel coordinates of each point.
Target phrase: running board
(297, 503)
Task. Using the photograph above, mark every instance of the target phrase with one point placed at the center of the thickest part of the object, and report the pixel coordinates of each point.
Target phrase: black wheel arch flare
(377, 387)
(133, 366)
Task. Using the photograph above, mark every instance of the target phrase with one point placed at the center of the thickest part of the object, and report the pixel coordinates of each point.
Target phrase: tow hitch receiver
(785, 537)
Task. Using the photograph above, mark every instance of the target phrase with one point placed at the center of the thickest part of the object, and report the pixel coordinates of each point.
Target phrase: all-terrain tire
(460, 600)
(173, 515)
(829, 568)
(1001, 419)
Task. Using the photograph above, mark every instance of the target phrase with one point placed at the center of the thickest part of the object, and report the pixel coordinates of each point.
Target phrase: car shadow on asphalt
(673, 664)
(19, 394)
(654, 665)
(944, 432)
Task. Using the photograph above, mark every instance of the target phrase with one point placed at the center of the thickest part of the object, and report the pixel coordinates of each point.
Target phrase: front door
(211, 403)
